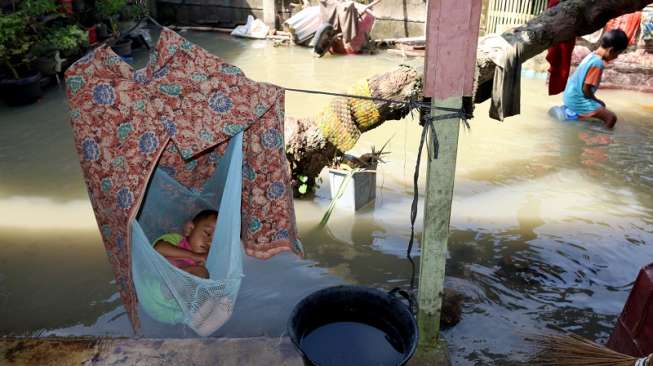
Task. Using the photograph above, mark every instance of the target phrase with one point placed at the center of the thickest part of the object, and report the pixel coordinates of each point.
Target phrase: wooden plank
(446, 36)
(490, 17)
(504, 14)
(495, 20)
(470, 57)
(75, 351)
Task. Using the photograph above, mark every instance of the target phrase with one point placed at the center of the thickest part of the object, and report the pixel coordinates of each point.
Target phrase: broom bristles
(572, 350)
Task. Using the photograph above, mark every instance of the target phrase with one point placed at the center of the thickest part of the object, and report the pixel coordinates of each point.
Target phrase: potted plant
(129, 15)
(353, 180)
(61, 45)
(38, 10)
(111, 11)
(108, 11)
(21, 85)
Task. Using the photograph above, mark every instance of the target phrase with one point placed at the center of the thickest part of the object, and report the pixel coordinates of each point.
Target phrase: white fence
(504, 14)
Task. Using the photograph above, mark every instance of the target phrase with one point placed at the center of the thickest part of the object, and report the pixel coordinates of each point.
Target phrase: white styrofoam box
(360, 191)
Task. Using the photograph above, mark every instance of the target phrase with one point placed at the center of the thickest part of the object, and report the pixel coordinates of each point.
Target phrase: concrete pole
(451, 39)
(440, 174)
(270, 13)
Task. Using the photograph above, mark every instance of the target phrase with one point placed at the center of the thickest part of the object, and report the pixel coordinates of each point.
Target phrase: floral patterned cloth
(179, 111)
(647, 23)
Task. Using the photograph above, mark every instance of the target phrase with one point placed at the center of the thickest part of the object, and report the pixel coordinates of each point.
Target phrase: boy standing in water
(581, 86)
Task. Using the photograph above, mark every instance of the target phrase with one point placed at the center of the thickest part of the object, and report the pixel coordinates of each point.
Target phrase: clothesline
(426, 121)
(412, 103)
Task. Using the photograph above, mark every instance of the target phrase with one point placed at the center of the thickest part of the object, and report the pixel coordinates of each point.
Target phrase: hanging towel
(629, 23)
(506, 85)
(177, 113)
(559, 58)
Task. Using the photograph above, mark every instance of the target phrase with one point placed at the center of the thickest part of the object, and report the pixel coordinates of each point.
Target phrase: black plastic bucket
(353, 325)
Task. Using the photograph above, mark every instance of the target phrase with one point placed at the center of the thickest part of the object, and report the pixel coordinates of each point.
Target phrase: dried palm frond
(371, 160)
(572, 350)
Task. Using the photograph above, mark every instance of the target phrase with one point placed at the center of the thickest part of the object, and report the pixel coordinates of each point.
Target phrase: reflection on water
(551, 220)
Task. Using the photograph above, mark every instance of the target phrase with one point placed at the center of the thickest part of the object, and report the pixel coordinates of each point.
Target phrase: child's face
(611, 54)
(201, 235)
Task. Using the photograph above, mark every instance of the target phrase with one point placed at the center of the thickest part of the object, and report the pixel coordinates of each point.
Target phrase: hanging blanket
(629, 23)
(178, 112)
(559, 58)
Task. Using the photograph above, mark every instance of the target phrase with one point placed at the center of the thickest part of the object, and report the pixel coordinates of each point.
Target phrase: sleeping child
(189, 251)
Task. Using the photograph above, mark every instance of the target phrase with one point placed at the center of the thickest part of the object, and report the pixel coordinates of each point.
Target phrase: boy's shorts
(592, 114)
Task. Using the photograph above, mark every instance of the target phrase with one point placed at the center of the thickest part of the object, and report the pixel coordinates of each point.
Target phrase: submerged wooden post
(451, 39)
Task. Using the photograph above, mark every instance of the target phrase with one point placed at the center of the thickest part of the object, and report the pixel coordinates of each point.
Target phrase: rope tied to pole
(426, 121)
(344, 133)
(350, 114)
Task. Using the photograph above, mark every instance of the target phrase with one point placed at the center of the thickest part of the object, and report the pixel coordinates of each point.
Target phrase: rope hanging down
(426, 121)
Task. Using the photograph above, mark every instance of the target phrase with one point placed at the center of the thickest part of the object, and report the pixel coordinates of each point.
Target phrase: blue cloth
(573, 97)
(562, 113)
(167, 293)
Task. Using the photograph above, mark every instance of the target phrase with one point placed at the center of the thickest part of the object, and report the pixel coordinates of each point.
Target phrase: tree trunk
(309, 151)
(567, 20)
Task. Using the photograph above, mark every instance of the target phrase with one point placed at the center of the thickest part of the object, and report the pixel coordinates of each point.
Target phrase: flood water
(551, 221)
(351, 343)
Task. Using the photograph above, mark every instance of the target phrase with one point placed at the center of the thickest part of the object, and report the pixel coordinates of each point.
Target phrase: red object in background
(365, 24)
(633, 334)
(559, 58)
(629, 23)
(92, 35)
(67, 6)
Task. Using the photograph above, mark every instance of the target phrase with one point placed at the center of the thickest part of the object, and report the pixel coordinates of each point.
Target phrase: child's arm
(589, 94)
(172, 251)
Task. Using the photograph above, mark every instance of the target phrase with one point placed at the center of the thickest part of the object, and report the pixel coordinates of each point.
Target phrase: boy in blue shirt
(581, 86)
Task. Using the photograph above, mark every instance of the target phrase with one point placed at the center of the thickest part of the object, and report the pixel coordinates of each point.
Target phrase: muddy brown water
(551, 221)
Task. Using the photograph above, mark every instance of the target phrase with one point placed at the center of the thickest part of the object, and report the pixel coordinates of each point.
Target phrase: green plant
(37, 8)
(109, 10)
(132, 12)
(19, 31)
(68, 40)
(15, 41)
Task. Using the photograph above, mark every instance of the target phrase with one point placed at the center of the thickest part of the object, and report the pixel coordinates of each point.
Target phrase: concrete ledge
(435, 355)
(144, 351)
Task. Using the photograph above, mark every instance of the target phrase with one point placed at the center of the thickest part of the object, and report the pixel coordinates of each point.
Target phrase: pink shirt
(183, 262)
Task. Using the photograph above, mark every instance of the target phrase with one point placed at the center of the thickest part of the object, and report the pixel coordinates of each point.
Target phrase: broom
(572, 350)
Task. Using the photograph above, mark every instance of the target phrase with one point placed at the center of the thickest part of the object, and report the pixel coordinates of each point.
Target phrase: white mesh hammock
(167, 293)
